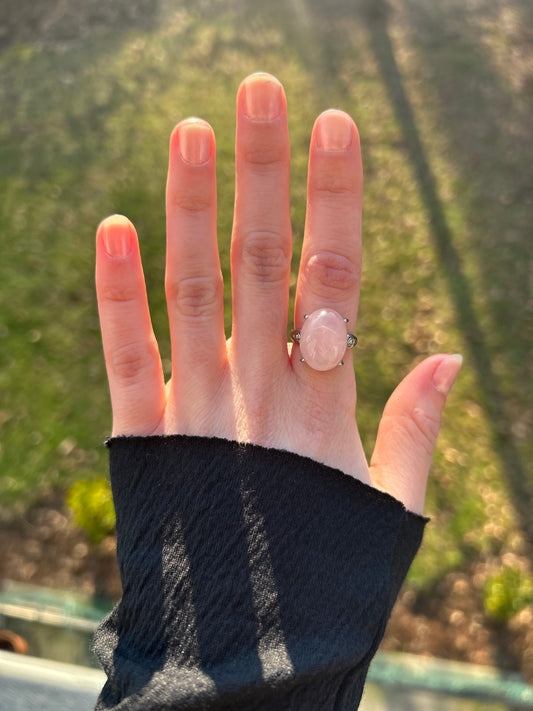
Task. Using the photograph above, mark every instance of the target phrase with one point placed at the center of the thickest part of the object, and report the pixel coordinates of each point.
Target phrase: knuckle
(422, 427)
(264, 257)
(130, 362)
(119, 294)
(328, 274)
(333, 188)
(192, 201)
(264, 156)
(330, 184)
(195, 297)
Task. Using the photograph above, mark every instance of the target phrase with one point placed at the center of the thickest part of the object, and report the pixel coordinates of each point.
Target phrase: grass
(438, 95)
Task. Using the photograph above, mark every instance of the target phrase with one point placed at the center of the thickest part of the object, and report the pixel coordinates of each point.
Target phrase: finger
(131, 354)
(194, 287)
(261, 241)
(330, 266)
(408, 430)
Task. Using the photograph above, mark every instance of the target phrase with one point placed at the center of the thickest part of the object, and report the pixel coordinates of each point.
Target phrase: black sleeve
(252, 578)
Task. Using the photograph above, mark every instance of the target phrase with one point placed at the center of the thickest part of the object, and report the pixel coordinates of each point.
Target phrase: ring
(323, 339)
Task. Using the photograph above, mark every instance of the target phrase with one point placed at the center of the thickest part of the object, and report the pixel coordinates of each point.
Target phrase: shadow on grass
(321, 53)
(486, 153)
(319, 34)
(486, 129)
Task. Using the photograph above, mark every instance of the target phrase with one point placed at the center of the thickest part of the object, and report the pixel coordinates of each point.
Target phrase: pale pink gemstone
(323, 339)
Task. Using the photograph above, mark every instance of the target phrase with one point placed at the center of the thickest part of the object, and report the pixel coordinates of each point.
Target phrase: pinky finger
(131, 354)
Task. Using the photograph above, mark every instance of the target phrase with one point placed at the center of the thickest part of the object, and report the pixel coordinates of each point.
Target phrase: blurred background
(442, 94)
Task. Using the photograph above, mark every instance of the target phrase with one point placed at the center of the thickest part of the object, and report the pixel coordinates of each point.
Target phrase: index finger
(330, 265)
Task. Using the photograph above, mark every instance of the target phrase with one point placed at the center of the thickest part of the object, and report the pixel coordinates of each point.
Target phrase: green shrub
(507, 592)
(92, 505)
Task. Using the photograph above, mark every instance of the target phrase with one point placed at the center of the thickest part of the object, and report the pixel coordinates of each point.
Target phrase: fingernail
(448, 370)
(117, 232)
(334, 131)
(194, 141)
(262, 97)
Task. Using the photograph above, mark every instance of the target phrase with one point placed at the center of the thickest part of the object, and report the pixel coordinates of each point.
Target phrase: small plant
(91, 502)
(506, 593)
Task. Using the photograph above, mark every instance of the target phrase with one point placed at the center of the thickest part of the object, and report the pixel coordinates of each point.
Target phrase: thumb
(408, 430)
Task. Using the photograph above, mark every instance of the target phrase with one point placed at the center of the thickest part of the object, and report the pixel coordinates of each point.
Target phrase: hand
(253, 387)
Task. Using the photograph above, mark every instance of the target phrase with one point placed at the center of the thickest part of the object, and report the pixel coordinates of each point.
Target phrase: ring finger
(193, 278)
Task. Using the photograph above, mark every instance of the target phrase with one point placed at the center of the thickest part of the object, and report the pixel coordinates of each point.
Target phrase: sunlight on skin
(244, 389)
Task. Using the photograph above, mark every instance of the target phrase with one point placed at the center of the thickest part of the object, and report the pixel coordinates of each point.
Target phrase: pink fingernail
(117, 232)
(445, 375)
(262, 97)
(195, 141)
(334, 131)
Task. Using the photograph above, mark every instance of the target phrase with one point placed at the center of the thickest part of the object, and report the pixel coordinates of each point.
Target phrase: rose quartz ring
(323, 339)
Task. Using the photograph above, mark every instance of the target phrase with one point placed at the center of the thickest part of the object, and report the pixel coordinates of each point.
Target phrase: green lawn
(443, 101)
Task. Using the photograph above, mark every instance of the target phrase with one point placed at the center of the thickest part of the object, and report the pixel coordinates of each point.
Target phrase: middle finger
(261, 241)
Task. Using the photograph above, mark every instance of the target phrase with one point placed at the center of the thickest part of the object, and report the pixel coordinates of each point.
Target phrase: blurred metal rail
(59, 626)
(405, 684)
(400, 671)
